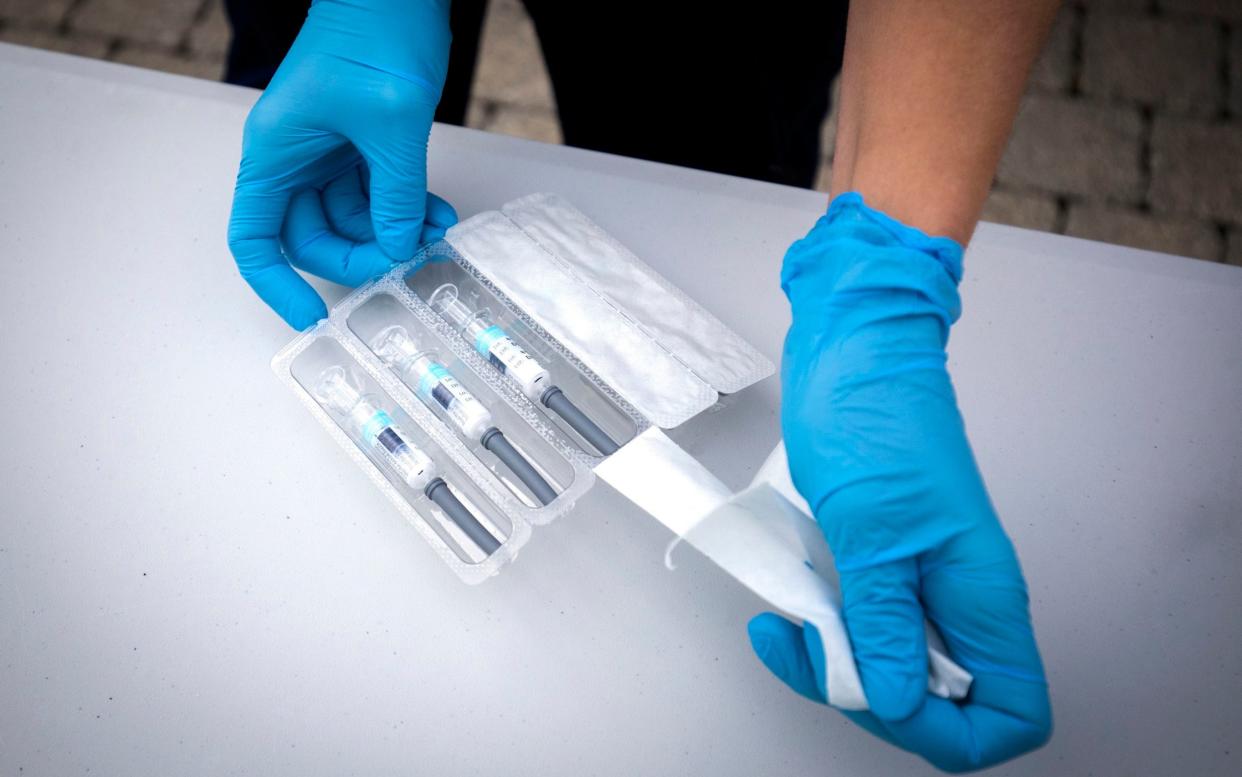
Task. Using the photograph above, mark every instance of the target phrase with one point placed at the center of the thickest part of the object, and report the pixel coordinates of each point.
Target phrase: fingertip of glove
(892, 693)
(760, 630)
(778, 644)
(431, 234)
(366, 261)
(302, 318)
(286, 293)
(771, 637)
(301, 308)
(440, 212)
(815, 652)
(399, 244)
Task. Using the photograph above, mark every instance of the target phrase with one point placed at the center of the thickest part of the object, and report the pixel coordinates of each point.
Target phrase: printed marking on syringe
(441, 395)
(484, 340)
(505, 354)
(439, 384)
(432, 385)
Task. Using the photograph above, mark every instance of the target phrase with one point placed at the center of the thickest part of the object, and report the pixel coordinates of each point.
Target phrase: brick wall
(1131, 130)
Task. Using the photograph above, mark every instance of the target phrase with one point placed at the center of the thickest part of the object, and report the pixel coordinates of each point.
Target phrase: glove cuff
(856, 253)
(850, 208)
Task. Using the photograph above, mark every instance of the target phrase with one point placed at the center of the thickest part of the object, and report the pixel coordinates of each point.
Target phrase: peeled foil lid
(708, 348)
(653, 345)
(766, 539)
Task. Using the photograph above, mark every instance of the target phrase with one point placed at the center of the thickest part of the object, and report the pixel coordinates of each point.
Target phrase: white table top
(195, 580)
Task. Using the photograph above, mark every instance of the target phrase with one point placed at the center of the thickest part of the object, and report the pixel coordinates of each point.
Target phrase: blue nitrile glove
(355, 96)
(877, 447)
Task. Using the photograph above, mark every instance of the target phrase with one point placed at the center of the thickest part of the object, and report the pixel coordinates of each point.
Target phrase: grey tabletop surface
(195, 580)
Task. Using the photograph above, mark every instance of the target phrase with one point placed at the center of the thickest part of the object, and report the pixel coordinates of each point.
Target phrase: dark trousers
(733, 91)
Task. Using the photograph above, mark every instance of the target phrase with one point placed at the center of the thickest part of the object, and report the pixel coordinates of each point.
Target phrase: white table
(194, 579)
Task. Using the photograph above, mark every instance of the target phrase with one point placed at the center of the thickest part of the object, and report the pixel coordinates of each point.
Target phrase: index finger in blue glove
(960, 738)
(795, 654)
(783, 649)
(270, 166)
(978, 600)
(346, 205)
(311, 245)
(440, 216)
(974, 592)
(348, 210)
(397, 161)
(254, 227)
(882, 614)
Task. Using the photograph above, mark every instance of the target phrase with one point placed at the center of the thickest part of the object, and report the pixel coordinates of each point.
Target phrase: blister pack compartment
(454, 391)
(424, 471)
(685, 329)
(647, 341)
(511, 358)
(474, 313)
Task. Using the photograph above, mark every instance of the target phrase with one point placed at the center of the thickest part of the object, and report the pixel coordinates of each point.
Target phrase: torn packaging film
(764, 537)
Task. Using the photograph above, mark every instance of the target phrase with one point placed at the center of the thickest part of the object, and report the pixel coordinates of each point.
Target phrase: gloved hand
(355, 96)
(878, 448)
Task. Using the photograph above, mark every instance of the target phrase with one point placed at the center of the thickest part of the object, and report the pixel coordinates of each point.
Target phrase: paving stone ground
(1131, 131)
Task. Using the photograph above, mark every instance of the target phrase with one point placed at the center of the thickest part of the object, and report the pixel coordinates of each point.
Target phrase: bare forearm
(928, 94)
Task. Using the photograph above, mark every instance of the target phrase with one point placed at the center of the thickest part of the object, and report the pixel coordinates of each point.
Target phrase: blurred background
(1131, 130)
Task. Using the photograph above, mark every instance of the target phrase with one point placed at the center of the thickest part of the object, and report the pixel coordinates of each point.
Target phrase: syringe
(378, 432)
(511, 359)
(436, 386)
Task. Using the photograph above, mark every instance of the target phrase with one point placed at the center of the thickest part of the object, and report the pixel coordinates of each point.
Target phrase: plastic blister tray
(532, 323)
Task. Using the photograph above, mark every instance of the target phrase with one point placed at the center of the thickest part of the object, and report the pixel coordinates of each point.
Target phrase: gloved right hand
(878, 447)
(360, 85)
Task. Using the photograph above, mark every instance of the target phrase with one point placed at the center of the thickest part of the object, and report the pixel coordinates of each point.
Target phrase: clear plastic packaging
(479, 384)
(418, 356)
(474, 526)
(516, 354)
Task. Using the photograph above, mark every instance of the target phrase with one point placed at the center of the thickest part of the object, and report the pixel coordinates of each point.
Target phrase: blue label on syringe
(431, 385)
(378, 422)
(504, 354)
(438, 386)
(486, 339)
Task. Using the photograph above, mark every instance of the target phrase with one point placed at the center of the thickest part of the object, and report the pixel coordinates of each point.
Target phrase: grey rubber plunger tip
(438, 491)
(558, 403)
(496, 442)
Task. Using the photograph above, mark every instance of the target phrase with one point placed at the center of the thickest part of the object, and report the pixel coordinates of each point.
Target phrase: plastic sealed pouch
(505, 436)
(436, 486)
(518, 355)
(705, 345)
(664, 354)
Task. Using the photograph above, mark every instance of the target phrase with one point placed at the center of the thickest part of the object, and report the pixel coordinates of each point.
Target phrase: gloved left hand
(878, 448)
(348, 113)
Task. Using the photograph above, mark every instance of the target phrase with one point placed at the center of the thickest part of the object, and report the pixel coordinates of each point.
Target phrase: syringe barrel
(413, 466)
(492, 342)
(437, 386)
(366, 418)
(495, 345)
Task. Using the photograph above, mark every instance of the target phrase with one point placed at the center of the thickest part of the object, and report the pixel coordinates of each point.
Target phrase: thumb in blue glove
(355, 96)
(878, 448)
